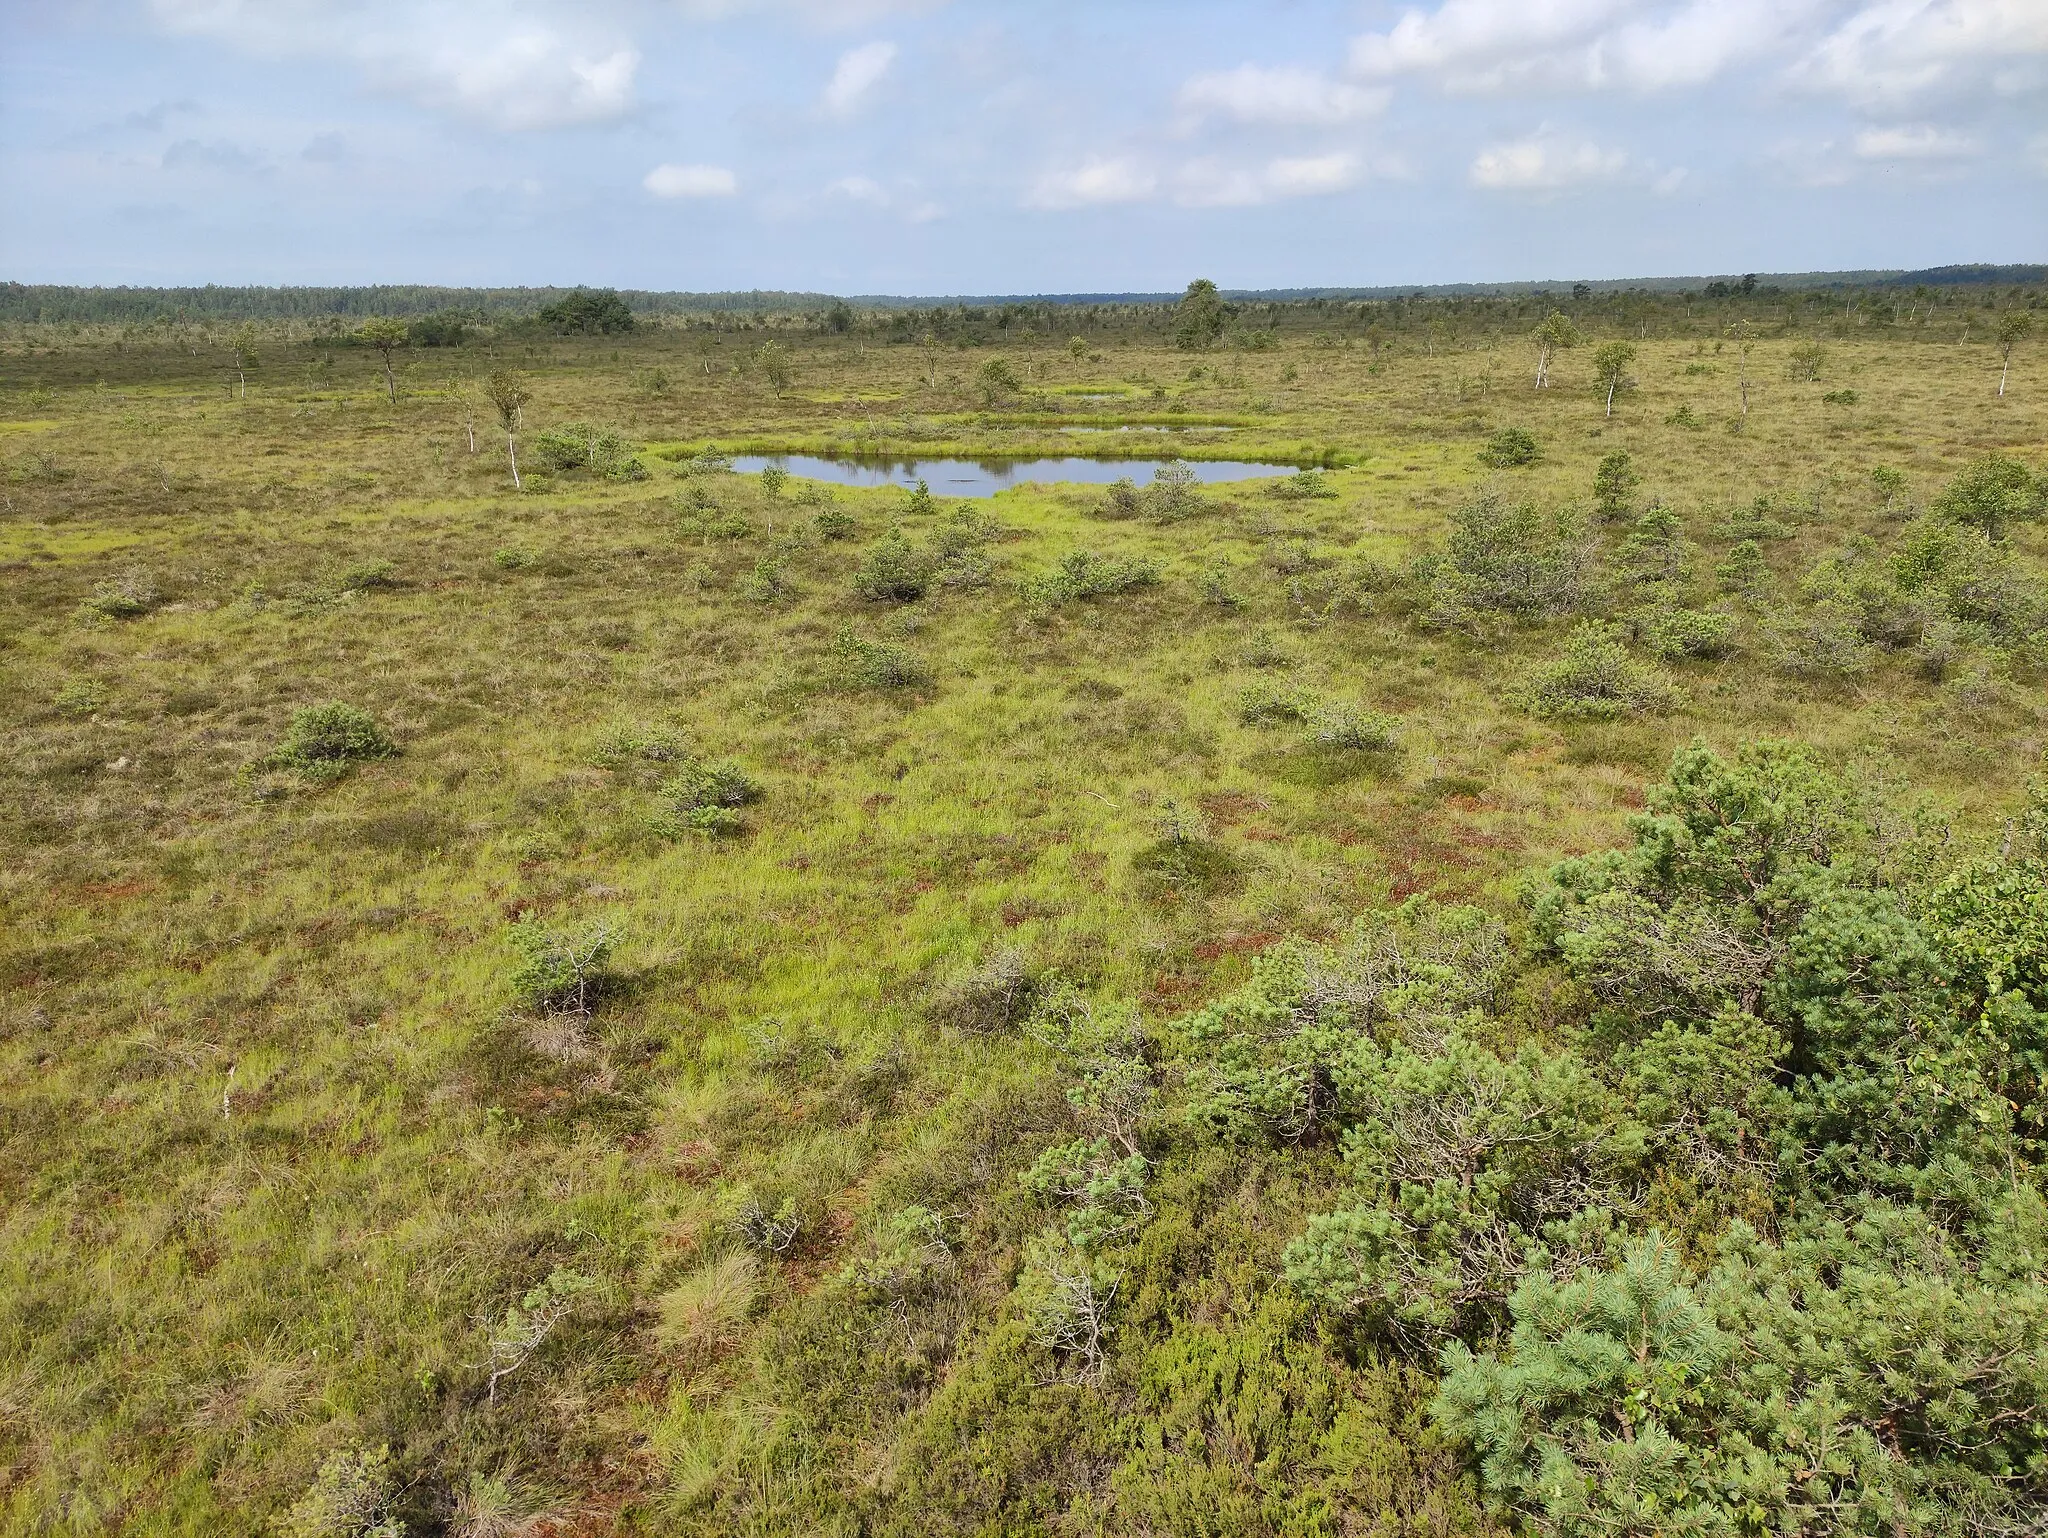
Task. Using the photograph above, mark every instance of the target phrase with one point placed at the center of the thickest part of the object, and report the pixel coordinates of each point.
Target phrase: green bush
(1992, 494)
(128, 596)
(1270, 704)
(584, 446)
(878, 664)
(1510, 448)
(1614, 485)
(1595, 680)
(1082, 574)
(895, 571)
(1676, 634)
(326, 741)
(1510, 557)
(559, 969)
(1337, 724)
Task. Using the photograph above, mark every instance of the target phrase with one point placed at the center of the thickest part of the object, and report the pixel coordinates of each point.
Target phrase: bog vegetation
(1497, 982)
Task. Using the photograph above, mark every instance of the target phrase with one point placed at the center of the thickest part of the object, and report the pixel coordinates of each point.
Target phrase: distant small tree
(1614, 483)
(839, 319)
(1806, 361)
(1198, 320)
(2013, 327)
(1554, 335)
(387, 336)
(509, 393)
(1077, 348)
(1743, 337)
(1610, 367)
(244, 347)
(998, 380)
(775, 365)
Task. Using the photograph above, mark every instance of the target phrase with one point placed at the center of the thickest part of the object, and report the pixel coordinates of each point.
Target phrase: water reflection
(986, 477)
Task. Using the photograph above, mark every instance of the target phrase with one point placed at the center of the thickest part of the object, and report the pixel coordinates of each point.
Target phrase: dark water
(984, 478)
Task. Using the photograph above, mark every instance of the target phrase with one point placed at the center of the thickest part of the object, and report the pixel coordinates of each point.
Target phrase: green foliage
(350, 1498)
(1302, 486)
(998, 381)
(1857, 1378)
(1351, 728)
(1199, 318)
(1676, 634)
(1656, 552)
(323, 742)
(1509, 557)
(559, 969)
(1595, 680)
(895, 571)
(867, 664)
(1082, 574)
(1992, 494)
(128, 596)
(1510, 449)
(1615, 480)
(583, 446)
(595, 311)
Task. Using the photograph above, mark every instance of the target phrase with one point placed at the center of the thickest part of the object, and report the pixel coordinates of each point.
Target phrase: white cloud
(1252, 93)
(1112, 179)
(673, 181)
(862, 189)
(1914, 141)
(1488, 46)
(510, 63)
(870, 193)
(1903, 50)
(1216, 184)
(1546, 163)
(859, 71)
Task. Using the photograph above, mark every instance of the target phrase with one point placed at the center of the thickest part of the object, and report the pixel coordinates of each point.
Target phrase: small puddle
(986, 477)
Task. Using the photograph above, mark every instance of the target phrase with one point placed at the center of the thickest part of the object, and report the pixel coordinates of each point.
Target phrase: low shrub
(1122, 500)
(559, 969)
(324, 742)
(1510, 449)
(1270, 704)
(1084, 574)
(128, 596)
(1303, 486)
(1339, 724)
(894, 571)
(878, 664)
(584, 446)
(1680, 633)
(1595, 680)
(994, 995)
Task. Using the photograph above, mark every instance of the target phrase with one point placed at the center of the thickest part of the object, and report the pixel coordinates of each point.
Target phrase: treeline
(1052, 314)
(52, 303)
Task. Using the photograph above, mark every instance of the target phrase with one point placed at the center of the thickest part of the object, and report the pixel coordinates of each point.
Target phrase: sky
(994, 146)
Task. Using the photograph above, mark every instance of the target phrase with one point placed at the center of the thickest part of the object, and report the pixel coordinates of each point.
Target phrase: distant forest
(47, 303)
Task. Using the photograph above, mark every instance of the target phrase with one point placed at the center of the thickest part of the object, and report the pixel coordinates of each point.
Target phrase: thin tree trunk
(2004, 369)
(512, 454)
(1610, 397)
(390, 383)
(469, 425)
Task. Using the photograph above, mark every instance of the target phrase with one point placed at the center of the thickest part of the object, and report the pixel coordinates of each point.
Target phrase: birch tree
(2013, 327)
(1554, 335)
(1610, 367)
(509, 393)
(386, 336)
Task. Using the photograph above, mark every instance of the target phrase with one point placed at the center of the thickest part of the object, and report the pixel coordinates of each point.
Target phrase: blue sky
(921, 146)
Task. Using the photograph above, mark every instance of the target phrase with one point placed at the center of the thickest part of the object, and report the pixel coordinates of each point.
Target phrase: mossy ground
(279, 1149)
